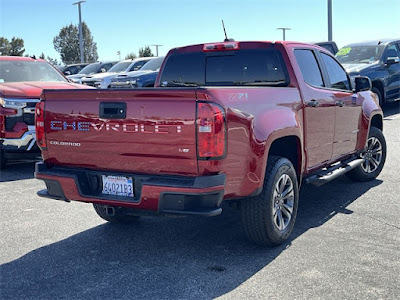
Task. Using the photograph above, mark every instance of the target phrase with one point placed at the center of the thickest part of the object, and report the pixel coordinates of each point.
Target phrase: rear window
(258, 67)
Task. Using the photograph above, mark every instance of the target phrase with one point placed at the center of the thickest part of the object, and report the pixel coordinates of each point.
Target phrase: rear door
(129, 131)
(348, 106)
(319, 109)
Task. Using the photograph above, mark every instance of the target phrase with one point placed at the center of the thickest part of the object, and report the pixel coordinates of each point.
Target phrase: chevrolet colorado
(244, 122)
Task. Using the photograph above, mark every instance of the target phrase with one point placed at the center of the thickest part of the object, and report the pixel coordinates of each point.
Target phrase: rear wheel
(118, 216)
(374, 156)
(268, 219)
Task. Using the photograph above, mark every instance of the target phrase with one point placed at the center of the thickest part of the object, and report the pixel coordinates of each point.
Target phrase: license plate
(117, 185)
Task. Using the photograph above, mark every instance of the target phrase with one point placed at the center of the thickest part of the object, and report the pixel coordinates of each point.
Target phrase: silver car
(103, 80)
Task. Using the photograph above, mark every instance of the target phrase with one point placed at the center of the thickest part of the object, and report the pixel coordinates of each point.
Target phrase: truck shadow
(163, 258)
(18, 171)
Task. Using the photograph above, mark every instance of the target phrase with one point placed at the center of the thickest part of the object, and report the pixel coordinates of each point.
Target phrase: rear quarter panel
(256, 116)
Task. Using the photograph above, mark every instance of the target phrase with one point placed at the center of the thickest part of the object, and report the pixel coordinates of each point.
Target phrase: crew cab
(378, 60)
(22, 80)
(242, 122)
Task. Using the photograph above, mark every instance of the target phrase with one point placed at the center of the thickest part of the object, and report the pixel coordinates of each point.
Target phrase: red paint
(26, 90)
(256, 117)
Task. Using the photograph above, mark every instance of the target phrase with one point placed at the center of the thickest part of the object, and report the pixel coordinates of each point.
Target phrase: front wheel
(268, 219)
(374, 157)
(118, 217)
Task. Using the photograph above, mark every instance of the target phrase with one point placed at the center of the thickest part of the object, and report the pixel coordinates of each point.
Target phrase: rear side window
(232, 68)
(337, 76)
(309, 67)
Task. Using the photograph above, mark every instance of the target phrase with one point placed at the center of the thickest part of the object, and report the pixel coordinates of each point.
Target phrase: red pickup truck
(244, 122)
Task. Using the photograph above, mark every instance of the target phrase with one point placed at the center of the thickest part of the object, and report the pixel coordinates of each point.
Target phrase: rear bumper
(153, 193)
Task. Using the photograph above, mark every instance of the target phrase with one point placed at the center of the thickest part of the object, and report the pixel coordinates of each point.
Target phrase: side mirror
(102, 70)
(67, 73)
(362, 83)
(392, 60)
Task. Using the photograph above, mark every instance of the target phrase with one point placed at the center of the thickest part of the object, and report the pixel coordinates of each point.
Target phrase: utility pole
(283, 31)
(80, 30)
(157, 48)
(329, 20)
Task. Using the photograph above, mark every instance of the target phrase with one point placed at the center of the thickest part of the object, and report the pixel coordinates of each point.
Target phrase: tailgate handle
(112, 110)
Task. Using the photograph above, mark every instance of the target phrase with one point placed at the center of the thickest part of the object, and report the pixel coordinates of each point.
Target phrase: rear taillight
(211, 131)
(40, 127)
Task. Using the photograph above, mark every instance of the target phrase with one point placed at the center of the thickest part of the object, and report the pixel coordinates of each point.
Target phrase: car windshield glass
(90, 69)
(153, 65)
(359, 54)
(18, 71)
(120, 67)
(257, 67)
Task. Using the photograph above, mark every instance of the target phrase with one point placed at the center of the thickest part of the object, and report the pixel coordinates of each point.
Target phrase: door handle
(313, 103)
(339, 103)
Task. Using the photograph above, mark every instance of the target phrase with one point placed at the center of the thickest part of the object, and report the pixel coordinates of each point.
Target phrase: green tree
(145, 52)
(131, 56)
(53, 61)
(67, 44)
(15, 47)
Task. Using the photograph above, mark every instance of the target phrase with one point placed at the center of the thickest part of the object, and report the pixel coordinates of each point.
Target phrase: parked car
(72, 69)
(22, 80)
(128, 80)
(103, 80)
(146, 80)
(330, 46)
(378, 60)
(97, 67)
(241, 122)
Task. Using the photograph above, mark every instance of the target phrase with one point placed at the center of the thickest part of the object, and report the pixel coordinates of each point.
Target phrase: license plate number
(117, 185)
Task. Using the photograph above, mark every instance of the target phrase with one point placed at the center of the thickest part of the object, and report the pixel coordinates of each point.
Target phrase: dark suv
(378, 60)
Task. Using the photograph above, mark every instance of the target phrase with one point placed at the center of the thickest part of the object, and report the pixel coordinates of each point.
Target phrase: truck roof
(243, 45)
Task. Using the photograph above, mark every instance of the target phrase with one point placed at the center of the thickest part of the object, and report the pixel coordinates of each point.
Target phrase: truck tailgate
(141, 131)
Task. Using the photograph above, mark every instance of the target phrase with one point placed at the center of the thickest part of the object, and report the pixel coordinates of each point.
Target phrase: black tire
(375, 157)
(258, 220)
(119, 217)
(379, 94)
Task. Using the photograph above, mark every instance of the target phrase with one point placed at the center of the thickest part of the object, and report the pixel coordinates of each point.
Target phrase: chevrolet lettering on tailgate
(119, 127)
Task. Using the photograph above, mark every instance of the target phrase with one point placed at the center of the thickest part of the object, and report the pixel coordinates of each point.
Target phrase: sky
(127, 25)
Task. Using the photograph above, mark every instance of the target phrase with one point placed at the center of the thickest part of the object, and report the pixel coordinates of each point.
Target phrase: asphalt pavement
(345, 245)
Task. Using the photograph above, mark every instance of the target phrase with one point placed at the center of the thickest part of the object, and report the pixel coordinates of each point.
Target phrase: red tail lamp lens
(211, 131)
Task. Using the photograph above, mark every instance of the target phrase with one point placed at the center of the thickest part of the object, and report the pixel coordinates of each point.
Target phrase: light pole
(283, 30)
(329, 20)
(80, 30)
(157, 48)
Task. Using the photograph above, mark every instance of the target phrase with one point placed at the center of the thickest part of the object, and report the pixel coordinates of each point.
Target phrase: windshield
(153, 65)
(90, 69)
(19, 71)
(256, 67)
(359, 54)
(120, 67)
